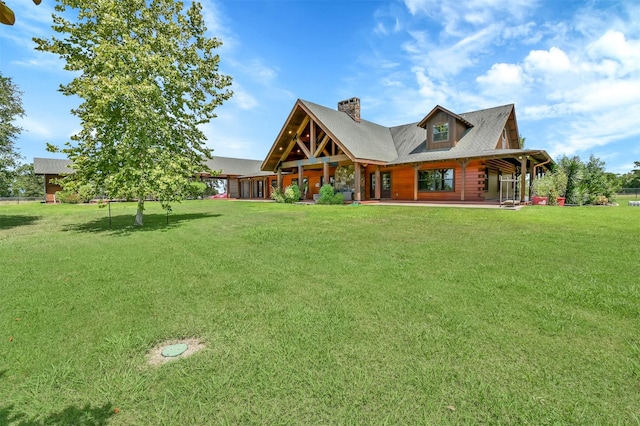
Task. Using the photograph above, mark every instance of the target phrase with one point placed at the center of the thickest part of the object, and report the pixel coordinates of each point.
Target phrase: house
(444, 157)
(237, 173)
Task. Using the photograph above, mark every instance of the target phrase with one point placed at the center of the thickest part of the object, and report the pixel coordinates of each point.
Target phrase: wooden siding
(51, 188)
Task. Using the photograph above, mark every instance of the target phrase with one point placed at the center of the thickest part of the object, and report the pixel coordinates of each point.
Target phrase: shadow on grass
(123, 224)
(11, 221)
(87, 415)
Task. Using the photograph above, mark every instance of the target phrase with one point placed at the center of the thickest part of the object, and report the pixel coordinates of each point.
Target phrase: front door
(385, 189)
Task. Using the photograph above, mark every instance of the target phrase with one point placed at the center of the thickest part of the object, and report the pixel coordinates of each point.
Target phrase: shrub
(290, 195)
(196, 189)
(86, 193)
(551, 185)
(277, 195)
(601, 200)
(327, 196)
(68, 197)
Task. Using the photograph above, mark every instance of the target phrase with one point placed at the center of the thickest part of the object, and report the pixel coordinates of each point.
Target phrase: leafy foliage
(552, 185)
(68, 197)
(595, 182)
(327, 196)
(26, 183)
(148, 77)
(7, 16)
(587, 182)
(572, 167)
(291, 194)
(10, 110)
(631, 179)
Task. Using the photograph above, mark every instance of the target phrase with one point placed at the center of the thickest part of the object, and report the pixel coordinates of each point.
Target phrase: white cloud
(502, 75)
(553, 61)
(428, 89)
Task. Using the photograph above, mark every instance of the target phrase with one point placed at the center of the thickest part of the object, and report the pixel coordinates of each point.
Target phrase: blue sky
(572, 68)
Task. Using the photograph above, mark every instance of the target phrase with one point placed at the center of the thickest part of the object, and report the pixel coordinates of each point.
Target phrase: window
(441, 132)
(435, 180)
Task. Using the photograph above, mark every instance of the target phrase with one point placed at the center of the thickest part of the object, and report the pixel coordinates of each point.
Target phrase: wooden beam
(313, 160)
(312, 136)
(321, 147)
(287, 151)
(303, 147)
(378, 192)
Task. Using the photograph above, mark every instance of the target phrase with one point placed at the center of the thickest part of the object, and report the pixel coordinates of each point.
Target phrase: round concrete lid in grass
(174, 350)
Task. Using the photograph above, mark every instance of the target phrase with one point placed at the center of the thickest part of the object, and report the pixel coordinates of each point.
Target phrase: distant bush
(327, 196)
(68, 197)
(196, 189)
(290, 195)
(86, 193)
(277, 195)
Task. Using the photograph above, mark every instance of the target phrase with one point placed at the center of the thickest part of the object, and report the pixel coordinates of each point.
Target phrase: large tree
(148, 77)
(10, 110)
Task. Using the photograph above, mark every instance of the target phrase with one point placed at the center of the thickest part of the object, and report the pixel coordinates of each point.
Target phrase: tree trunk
(138, 221)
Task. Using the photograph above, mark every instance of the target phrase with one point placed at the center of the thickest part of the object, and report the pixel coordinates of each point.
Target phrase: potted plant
(550, 189)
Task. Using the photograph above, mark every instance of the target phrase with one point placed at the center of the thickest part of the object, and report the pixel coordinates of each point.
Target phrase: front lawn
(320, 314)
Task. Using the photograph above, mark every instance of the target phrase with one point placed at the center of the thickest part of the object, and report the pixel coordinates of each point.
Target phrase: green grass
(320, 315)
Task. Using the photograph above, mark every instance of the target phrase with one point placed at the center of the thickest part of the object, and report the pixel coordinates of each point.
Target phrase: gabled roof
(51, 166)
(235, 166)
(437, 109)
(364, 140)
(228, 166)
(478, 141)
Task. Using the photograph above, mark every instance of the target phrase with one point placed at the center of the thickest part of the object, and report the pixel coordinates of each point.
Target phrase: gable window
(435, 180)
(441, 132)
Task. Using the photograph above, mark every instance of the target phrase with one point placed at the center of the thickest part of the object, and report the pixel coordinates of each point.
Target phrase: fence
(18, 200)
(629, 191)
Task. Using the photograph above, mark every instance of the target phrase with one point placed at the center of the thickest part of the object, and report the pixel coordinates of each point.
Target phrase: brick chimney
(351, 107)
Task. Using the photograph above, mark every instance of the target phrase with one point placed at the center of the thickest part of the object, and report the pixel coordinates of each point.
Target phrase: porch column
(463, 164)
(532, 176)
(300, 177)
(378, 193)
(415, 182)
(358, 171)
(279, 181)
(250, 188)
(325, 173)
(523, 177)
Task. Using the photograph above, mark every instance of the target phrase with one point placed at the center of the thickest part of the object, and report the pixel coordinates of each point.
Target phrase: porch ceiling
(284, 139)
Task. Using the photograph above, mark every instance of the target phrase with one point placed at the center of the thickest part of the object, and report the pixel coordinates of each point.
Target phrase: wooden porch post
(532, 176)
(358, 176)
(265, 187)
(464, 178)
(279, 181)
(325, 173)
(301, 179)
(378, 193)
(415, 182)
(250, 188)
(523, 177)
